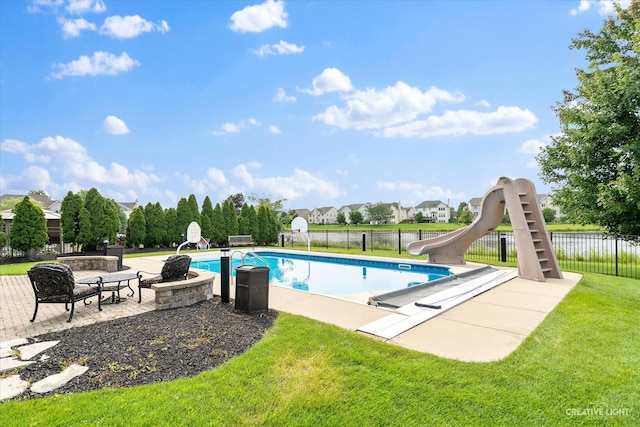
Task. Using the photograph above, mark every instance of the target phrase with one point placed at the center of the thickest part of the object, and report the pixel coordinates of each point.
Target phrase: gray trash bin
(116, 250)
(252, 288)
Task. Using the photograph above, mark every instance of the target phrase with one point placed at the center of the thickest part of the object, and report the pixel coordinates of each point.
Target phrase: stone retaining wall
(106, 263)
(198, 287)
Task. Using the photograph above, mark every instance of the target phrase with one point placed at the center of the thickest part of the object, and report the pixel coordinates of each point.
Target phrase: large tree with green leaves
(156, 225)
(230, 218)
(29, 227)
(206, 218)
(104, 219)
(173, 233)
(70, 217)
(594, 163)
(378, 213)
(136, 227)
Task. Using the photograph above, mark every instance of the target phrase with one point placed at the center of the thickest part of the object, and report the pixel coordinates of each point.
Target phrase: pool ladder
(249, 256)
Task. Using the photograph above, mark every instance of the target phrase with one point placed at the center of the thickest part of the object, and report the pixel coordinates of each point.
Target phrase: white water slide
(536, 257)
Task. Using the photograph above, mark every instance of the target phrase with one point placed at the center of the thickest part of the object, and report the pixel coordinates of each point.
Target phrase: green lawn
(308, 373)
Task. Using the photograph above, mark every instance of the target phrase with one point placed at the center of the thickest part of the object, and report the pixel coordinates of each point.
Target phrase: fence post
(326, 234)
(399, 242)
(503, 248)
(364, 242)
(616, 255)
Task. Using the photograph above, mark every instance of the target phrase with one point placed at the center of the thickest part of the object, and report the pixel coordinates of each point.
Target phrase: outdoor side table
(105, 282)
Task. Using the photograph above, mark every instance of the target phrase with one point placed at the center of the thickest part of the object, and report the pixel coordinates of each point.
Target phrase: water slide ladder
(536, 257)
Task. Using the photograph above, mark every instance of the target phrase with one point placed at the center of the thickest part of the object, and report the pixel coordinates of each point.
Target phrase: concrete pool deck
(486, 328)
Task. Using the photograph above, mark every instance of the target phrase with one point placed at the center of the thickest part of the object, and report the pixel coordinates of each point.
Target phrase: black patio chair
(54, 284)
(175, 268)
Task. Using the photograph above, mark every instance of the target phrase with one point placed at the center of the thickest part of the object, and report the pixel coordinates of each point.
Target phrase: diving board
(413, 314)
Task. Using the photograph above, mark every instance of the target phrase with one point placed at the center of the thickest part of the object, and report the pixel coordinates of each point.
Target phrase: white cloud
(373, 109)
(463, 122)
(281, 96)
(115, 126)
(71, 27)
(100, 64)
(66, 158)
(295, 186)
(78, 7)
(73, 7)
(235, 127)
(281, 48)
(483, 103)
(532, 146)
(330, 80)
(274, 129)
(257, 18)
(226, 128)
(127, 27)
(605, 7)
(582, 7)
(13, 146)
(419, 191)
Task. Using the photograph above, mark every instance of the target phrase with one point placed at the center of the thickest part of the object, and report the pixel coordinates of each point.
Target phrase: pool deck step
(411, 315)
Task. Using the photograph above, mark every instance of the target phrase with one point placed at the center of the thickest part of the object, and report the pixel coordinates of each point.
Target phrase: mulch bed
(150, 347)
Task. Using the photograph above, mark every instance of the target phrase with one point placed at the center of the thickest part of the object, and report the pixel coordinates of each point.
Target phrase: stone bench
(108, 263)
(197, 287)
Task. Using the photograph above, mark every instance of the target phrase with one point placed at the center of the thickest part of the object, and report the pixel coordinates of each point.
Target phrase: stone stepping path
(18, 352)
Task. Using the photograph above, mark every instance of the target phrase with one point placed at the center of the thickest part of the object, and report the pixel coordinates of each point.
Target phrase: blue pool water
(333, 275)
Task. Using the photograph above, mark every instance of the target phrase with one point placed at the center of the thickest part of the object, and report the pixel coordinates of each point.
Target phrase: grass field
(580, 366)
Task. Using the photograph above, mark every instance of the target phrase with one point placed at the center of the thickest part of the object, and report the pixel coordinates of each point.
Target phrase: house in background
(434, 211)
(546, 201)
(325, 215)
(398, 213)
(303, 213)
(347, 209)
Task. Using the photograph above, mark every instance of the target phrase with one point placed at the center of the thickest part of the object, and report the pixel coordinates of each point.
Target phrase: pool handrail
(249, 256)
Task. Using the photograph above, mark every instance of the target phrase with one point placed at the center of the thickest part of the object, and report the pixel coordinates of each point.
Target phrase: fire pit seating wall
(198, 286)
(108, 263)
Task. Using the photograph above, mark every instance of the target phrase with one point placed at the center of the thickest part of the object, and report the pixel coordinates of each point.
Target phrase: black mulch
(150, 347)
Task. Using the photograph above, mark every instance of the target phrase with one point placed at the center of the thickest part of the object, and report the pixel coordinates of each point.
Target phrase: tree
(136, 227)
(156, 225)
(206, 216)
(355, 217)
(230, 218)
(341, 218)
(244, 222)
(549, 215)
(594, 162)
(103, 214)
(267, 225)
(379, 213)
(237, 200)
(418, 217)
(461, 208)
(70, 217)
(173, 233)
(219, 231)
(29, 227)
(85, 236)
(194, 211)
(466, 217)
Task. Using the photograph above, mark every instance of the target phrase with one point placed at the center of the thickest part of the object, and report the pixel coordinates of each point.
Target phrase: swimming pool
(335, 275)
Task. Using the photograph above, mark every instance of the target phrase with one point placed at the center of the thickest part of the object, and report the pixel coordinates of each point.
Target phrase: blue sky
(322, 103)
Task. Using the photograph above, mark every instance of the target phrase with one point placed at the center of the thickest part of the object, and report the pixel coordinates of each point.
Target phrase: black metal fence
(586, 252)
